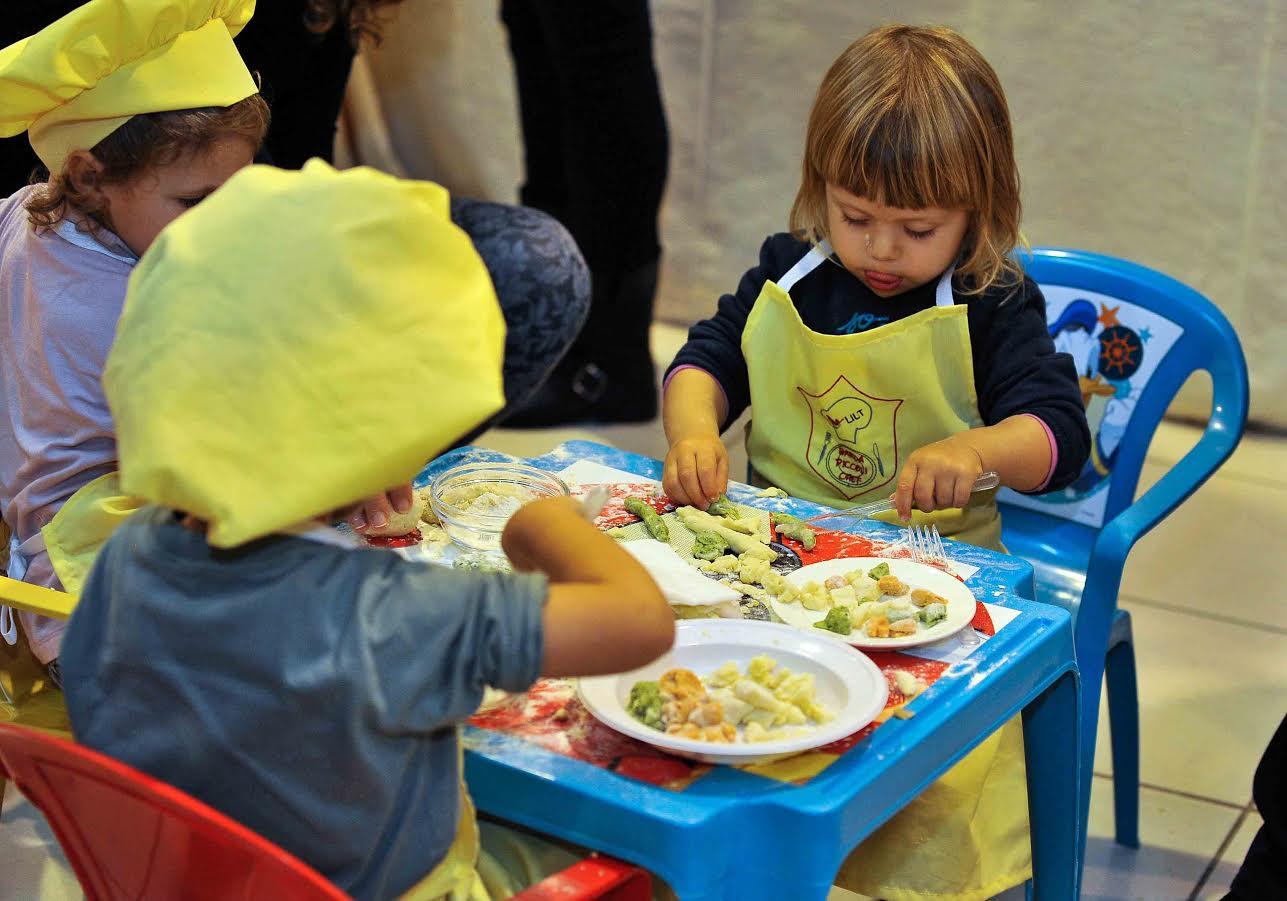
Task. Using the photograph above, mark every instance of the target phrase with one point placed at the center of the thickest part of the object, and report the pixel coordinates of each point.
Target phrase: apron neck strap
(820, 252)
(943, 293)
(806, 264)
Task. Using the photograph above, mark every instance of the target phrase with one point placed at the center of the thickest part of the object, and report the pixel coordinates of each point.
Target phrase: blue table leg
(786, 884)
(1051, 735)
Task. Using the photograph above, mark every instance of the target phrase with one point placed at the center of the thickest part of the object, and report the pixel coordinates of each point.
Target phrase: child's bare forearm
(556, 538)
(694, 406)
(1016, 448)
(604, 613)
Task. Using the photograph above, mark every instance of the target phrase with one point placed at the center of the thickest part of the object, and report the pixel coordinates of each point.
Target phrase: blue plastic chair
(1143, 334)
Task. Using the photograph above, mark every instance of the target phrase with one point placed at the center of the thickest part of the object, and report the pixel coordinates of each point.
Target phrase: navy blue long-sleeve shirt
(1016, 367)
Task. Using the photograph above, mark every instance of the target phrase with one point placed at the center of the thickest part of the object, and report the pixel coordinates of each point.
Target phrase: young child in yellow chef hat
(139, 109)
(889, 344)
(229, 642)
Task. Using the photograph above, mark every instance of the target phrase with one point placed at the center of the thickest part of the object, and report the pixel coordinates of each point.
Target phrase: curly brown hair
(363, 17)
(143, 143)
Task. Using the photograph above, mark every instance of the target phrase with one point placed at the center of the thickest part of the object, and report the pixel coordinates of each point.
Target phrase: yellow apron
(835, 417)
(82, 526)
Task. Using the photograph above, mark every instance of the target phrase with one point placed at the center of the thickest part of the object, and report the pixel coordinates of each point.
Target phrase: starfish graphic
(1145, 335)
(1108, 315)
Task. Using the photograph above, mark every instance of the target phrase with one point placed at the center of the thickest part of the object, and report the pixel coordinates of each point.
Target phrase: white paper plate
(848, 684)
(961, 604)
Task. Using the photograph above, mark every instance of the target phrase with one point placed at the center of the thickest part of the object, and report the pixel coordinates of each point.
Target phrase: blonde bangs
(915, 118)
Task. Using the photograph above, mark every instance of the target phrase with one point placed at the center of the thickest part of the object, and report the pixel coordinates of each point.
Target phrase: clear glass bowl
(475, 500)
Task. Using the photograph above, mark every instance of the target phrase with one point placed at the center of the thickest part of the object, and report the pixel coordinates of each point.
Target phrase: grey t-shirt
(308, 691)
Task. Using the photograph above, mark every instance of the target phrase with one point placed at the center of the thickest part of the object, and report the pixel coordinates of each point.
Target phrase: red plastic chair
(129, 836)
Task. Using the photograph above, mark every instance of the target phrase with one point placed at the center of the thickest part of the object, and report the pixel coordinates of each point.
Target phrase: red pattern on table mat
(550, 715)
(982, 620)
(927, 671)
(411, 539)
(614, 512)
(833, 545)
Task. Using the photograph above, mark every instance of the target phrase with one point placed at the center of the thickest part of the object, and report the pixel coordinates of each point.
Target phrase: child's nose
(883, 246)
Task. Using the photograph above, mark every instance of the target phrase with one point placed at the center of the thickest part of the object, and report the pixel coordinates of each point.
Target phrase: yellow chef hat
(299, 341)
(78, 80)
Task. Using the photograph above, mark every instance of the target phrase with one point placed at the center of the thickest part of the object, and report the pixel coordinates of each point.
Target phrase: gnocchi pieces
(875, 603)
(768, 701)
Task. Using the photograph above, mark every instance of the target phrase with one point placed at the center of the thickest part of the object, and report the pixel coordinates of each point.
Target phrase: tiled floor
(1211, 641)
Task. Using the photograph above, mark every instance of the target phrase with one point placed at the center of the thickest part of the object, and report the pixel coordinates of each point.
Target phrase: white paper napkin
(681, 584)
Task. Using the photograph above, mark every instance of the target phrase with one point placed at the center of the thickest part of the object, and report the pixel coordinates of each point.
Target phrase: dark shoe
(585, 393)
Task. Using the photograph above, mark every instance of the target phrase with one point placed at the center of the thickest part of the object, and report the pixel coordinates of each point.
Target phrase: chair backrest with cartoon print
(1136, 336)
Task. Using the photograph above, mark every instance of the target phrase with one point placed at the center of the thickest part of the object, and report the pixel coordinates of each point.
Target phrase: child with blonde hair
(139, 110)
(890, 344)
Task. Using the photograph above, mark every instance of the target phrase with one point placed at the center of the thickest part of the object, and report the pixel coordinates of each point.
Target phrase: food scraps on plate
(766, 703)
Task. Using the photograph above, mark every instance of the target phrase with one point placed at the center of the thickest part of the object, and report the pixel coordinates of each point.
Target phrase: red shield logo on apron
(853, 439)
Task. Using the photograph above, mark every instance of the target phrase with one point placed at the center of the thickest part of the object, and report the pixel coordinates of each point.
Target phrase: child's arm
(940, 475)
(1017, 370)
(604, 614)
(701, 400)
(696, 469)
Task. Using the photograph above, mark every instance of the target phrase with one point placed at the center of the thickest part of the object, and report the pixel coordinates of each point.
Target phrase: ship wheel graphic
(1120, 352)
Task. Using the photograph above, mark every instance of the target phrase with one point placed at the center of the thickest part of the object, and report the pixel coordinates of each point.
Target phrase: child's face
(892, 250)
(139, 208)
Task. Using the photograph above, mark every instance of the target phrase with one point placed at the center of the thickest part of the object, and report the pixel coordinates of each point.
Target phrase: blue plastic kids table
(735, 835)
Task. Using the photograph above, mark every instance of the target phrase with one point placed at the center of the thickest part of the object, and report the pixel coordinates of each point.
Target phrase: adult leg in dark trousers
(596, 152)
(1263, 874)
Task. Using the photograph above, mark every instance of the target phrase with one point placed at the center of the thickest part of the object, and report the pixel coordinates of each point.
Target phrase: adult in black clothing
(1263, 874)
(303, 51)
(596, 150)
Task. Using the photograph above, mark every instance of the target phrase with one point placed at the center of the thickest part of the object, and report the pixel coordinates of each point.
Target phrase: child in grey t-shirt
(229, 642)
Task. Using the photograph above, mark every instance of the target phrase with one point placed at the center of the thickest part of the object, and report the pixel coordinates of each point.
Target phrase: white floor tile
(33, 868)
(1260, 458)
(1178, 838)
(1211, 694)
(1217, 884)
(1216, 552)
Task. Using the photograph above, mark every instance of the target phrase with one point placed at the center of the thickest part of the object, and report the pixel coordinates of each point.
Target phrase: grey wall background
(1155, 131)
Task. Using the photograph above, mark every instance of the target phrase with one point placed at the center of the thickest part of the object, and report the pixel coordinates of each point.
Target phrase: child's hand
(696, 471)
(374, 512)
(938, 476)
